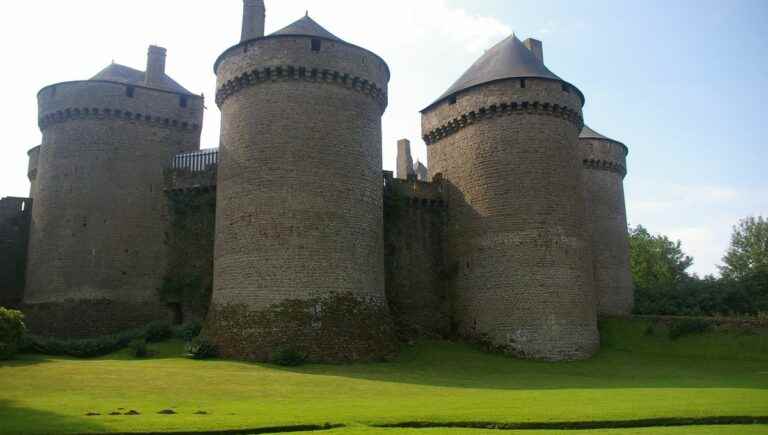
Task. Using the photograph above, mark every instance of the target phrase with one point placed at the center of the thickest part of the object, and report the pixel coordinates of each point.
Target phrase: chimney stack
(404, 159)
(155, 66)
(254, 13)
(534, 45)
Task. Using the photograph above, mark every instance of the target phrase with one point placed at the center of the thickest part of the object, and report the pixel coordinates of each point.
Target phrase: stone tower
(605, 166)
(504, 138)
(299, 207)
(404, 159)
(98, 220)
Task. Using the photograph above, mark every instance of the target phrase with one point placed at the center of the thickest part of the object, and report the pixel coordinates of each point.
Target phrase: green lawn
(636, 376)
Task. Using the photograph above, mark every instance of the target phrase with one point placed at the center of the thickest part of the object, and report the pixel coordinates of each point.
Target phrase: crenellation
(289, 234)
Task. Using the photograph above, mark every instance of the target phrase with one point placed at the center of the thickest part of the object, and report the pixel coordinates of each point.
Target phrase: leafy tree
(748, 253)
(656, 262)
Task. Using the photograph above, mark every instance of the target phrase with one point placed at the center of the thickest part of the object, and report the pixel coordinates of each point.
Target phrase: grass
(635, 376)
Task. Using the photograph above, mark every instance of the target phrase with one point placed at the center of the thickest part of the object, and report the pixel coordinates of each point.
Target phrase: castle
(290, 234)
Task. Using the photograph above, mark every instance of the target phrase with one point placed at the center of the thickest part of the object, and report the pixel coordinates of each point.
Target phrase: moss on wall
(188, 279)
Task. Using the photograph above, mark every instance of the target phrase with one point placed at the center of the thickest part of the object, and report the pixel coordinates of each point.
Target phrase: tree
(748, 253)
(656, 262)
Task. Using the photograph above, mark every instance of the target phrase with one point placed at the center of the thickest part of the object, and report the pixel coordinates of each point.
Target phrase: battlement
(294, 72)
(106, 100)
(192, 171)
(503, 109)
(416, 193)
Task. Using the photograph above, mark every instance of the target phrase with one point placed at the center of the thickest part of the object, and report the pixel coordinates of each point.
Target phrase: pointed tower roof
(123, 74)
(588, 133)
(306, 26)
(509, 59)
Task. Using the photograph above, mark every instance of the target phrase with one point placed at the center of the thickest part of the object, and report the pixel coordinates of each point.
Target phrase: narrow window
(316, 44)
(183, 101)
(522, 83)
(452, 100)
(129, 91)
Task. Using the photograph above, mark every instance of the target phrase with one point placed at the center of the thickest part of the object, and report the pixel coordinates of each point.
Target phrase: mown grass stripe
(585, 425)
(256, 431)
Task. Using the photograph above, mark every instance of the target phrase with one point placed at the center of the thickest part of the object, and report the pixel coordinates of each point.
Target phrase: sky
(682, 83)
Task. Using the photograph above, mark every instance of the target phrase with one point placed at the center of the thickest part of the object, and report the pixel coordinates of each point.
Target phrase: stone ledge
(74, 114)
(503, 109)
(291, 72)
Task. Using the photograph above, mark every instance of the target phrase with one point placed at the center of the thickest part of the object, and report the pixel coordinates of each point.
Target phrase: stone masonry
(288, 236)
(605, 166)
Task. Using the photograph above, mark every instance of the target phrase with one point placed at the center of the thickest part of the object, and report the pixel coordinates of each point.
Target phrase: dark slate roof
(506, 60)
(306, 26)
(588, 133)
(123, 74)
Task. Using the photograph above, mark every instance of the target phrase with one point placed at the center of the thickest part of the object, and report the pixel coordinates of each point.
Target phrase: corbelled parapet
(605, 166)
(299, 202)
(100, 217)
(504, 138)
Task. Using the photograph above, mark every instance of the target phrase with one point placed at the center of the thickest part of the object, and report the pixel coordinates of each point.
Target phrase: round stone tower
(97, 239)
(605, 166)
(299, 201)
(504, 137)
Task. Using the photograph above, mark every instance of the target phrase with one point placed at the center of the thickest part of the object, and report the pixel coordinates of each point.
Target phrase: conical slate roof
(506, 60)
(306, 26)
(588, 133)
(123, 74)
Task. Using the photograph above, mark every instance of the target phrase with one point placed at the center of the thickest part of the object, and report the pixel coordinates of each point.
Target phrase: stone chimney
(155, 66)
(254, 13)
(404, 159)
(536, 48)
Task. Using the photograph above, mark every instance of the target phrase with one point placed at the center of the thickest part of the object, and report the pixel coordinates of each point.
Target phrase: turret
(504, 139)
(254, 16)
(299, 202)
(96, 242)
(604, 168)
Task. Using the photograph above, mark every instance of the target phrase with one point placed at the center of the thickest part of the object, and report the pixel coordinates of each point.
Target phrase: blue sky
(680, 82)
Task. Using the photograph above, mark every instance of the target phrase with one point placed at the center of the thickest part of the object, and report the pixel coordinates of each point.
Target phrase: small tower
(605, 166)
(504, 138)
(404, 159)
(299, 203)
(96, 251)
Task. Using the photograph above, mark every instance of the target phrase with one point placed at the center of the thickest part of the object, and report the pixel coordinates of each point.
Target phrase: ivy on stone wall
(336, 328)
(188, 280)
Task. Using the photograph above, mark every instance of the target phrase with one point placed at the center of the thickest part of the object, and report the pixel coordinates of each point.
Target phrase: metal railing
(196, 161)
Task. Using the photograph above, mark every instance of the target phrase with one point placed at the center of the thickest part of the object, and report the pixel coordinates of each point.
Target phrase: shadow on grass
(19, 420)
(455, 365)
(24, 360)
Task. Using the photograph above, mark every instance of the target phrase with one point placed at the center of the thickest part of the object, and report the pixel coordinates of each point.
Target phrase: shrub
(11, 332)
(188, 331)
(288, 356)
(681, 328)
(156, 332)
(139, 348)
(201, 348)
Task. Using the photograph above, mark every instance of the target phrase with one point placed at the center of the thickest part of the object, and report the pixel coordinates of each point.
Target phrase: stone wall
(98, 230)
(416, 268)
(517, 230)
(188, 280)
(14, 235)
(604, 168)
(299, 206)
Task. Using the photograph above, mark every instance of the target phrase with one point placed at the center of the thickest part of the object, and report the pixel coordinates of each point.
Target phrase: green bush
(139, 348)
(202, 348)
(156, 332)
(683, 327)
(188, 331)
(288, 357)
(11, 332)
